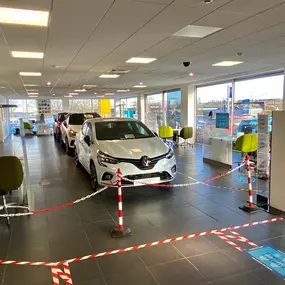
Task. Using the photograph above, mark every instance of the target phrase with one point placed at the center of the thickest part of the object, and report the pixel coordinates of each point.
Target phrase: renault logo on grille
(145, 161)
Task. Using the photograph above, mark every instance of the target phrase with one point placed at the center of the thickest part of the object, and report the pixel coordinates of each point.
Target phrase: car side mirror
(87, 140)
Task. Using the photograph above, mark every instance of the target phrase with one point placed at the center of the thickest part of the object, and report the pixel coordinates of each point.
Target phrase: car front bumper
(164, 171)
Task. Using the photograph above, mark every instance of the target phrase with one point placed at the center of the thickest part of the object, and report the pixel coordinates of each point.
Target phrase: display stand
(276, 189)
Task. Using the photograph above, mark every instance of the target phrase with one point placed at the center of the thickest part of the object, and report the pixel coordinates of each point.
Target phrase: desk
(219, 152)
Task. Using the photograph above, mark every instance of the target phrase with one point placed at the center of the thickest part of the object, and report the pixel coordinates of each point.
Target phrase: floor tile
(244, 278)
(267, 276)
(177, 272)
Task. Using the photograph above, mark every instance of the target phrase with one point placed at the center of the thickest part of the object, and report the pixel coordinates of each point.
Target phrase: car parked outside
(70, 127)
(104, 145)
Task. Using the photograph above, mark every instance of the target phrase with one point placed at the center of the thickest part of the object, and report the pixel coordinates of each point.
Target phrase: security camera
(208, 1)
(186, 63)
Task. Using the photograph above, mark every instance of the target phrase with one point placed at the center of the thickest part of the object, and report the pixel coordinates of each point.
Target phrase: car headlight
(72, 133)
(170, 154)
(104, 158)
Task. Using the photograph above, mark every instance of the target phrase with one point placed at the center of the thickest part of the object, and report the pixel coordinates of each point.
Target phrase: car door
(81, 152)
(87, 150)
(63, 128)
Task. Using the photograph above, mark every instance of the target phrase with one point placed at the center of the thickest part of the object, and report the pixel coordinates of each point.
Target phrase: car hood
(75, 128)
(134, 148)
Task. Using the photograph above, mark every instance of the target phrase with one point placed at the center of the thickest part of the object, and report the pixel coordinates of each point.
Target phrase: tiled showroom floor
(152, 214)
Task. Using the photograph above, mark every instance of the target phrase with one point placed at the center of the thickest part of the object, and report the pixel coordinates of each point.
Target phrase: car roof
(97, 120)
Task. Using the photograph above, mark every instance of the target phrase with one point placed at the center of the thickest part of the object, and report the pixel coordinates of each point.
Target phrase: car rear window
(78, 119)
(121, 130)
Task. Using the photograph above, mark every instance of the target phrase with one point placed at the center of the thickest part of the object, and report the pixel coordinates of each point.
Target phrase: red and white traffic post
(120, 231)
(250, 207)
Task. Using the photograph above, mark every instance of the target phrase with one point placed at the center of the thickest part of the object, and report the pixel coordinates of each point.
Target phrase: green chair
(28, 128)
(186, 133)
(11, 178)
(165, 132)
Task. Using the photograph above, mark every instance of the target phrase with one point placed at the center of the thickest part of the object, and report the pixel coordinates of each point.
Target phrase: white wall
(4, 120)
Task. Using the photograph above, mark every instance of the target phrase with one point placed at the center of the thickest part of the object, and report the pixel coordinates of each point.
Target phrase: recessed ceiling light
(123, 90)
(48, 83)
(109, 76)
(30, 73)
(32, 90)
(3, 87)
(95, 93)
(100, 96)
(31, 85)
(27, 54)
(140, 60)
(109, 94)
(73, 93)
(227, 63)
(33, 96)
(80, 90)
(89, 86)
(192, 31)
(24, 17)
(33, 93)
(68, 96)
(53, 94)
(141, 83)
(140, 86)
(191, 74)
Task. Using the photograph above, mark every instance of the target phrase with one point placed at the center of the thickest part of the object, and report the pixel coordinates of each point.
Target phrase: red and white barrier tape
(65, 276)
(187, 184)
(60, 206)
(95, 255)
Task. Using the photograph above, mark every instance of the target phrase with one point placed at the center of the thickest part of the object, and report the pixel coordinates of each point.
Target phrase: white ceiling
(89, 37)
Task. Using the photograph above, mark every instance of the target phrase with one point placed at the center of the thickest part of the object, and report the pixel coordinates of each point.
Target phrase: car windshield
(121, 130)
(78, 119)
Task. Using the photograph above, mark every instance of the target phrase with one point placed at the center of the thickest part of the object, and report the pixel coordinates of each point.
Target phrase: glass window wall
(80, 105)
(154, 111)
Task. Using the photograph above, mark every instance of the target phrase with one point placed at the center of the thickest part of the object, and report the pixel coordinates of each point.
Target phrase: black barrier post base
(250, 210)
(117, 233)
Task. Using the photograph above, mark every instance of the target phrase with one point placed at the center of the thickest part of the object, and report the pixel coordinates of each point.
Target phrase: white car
(70, 127)
(104, 145)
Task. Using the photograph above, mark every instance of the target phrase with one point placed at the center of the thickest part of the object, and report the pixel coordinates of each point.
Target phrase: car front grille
(162, 175)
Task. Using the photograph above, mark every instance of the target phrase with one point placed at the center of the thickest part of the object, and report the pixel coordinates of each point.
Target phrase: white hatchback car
(104, 145)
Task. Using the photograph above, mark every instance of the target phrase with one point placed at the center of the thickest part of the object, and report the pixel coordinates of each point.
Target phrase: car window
(89, 130)
(78, 119)
(121, 130)
(84, 128)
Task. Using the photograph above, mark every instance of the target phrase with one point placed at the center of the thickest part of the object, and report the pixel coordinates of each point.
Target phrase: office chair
(166, 133)
(11, 178)
(247, 144)
(186, 133)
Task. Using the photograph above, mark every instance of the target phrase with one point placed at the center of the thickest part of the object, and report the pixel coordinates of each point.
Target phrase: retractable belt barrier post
(250, 207)
(120, 231)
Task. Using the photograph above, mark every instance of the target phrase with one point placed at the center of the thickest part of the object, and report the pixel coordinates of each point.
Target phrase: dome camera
(186, 63)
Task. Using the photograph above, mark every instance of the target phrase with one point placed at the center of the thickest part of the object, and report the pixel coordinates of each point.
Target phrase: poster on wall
(44, 106)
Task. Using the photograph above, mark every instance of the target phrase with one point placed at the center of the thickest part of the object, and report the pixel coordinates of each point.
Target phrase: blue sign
(222, 120)
(230, 92)
(270, 258)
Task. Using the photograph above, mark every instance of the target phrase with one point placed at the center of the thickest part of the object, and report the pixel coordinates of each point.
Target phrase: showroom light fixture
(53, 94)
(23, 17)
(191, 74)
(89, 86)
(33, 96)
(80, 90)
(192, 31)
(31, 85)
(109, 76)
(3, 87)
(48, 83)
(141, 60)
(100, 96)
(68, 96)
(73, 94)
(140, 86)
(227, 63)
(27, 54)
(109, 94)
(33, 93)
(95, 93)
(23, 73)
(32, 90)
(123, 90)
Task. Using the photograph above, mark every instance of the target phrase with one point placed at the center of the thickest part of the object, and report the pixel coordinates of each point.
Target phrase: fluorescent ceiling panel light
(123, 90)
(31, 85)
(32, 90)
(30, 73)
(68, 96)
(33, 96)
(227, 63)
(23, 17)
(80, 90)
(33, 93)
(140, 60)
(73, 93)
(89, 86)
(109, 94)
(109, 76)
(27, 54)
(3, 87)
(100, 96)
(139, 86)
(192, 31)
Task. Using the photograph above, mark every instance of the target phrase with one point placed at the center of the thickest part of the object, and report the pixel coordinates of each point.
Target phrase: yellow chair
(186, 133)
(165, 132)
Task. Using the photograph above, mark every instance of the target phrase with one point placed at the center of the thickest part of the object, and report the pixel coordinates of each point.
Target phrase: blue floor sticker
(243, 179)
(270, 257)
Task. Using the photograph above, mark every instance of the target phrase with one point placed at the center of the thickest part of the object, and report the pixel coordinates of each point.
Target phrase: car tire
(76, 159)
(93, 177)
(69, 151)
